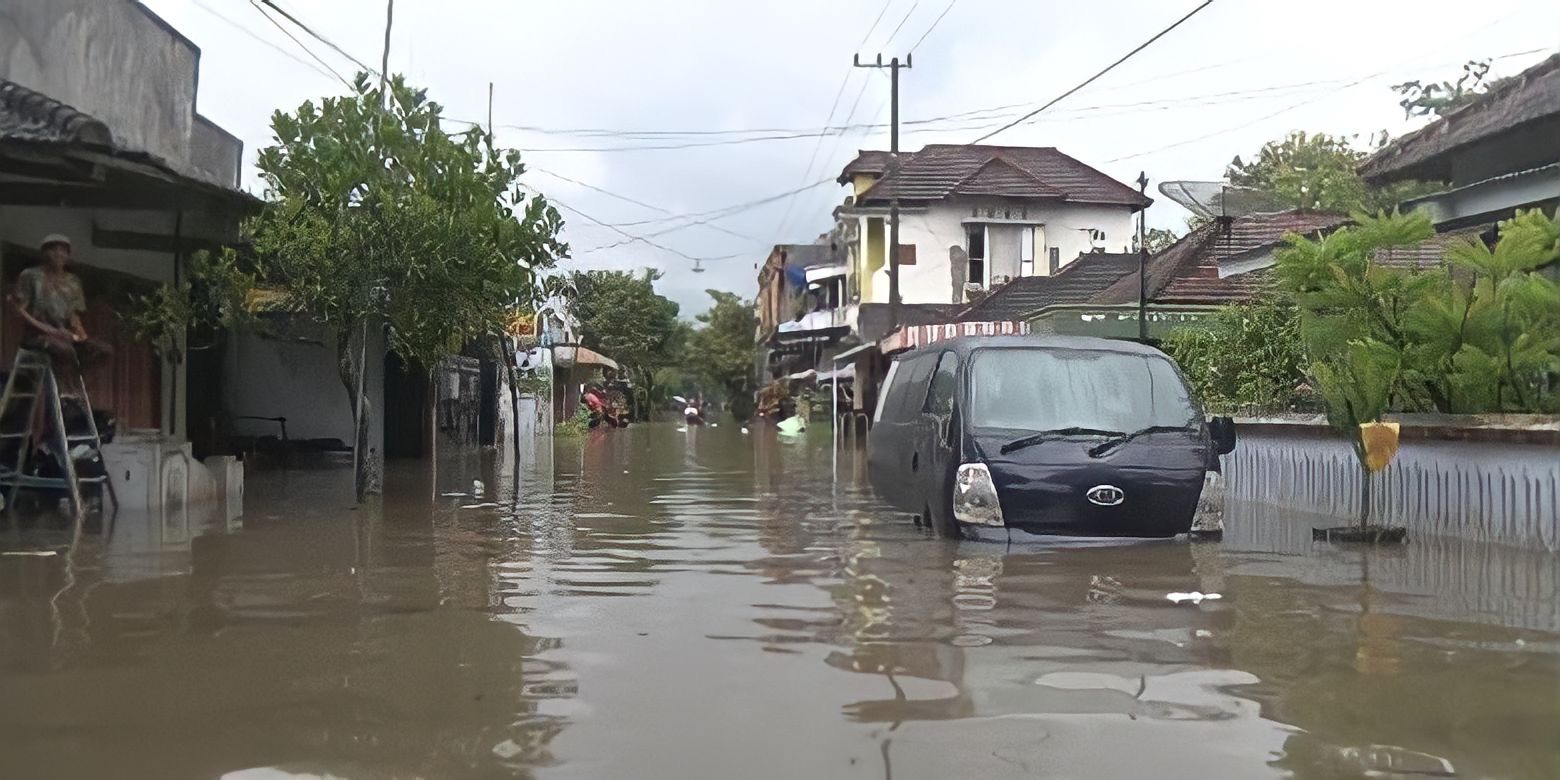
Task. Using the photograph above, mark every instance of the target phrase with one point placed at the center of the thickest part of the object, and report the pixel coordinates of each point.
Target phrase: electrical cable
(1108, 68)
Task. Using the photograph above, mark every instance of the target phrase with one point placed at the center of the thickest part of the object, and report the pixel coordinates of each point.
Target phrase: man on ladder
(50, 300)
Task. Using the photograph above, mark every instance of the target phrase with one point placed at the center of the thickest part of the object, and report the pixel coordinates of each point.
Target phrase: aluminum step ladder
(33, 382)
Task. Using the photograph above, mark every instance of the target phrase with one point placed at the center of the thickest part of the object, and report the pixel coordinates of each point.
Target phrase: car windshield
(1054, 389)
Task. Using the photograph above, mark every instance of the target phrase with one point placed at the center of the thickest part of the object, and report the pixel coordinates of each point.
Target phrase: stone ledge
(1507, 428)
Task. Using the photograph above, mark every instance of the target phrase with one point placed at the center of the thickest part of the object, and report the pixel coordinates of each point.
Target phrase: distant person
(596, 403)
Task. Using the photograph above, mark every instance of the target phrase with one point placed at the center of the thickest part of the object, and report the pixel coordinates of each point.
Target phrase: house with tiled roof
(1225, 261)
(1496, 155)
(974, 217)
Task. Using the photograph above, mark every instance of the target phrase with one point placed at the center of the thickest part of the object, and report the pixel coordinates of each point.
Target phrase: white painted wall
(935, 229)
(271, 377)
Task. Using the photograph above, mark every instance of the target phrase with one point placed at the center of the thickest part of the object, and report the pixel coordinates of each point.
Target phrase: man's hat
(54, 238)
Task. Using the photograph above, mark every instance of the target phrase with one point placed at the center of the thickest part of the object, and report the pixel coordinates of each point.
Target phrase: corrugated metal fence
(1486, 491)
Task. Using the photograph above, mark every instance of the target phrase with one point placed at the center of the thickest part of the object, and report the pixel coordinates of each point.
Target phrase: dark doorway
(487, 395)
(406, 409)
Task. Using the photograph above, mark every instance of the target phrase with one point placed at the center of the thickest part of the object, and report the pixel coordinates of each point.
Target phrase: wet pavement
(711, 605)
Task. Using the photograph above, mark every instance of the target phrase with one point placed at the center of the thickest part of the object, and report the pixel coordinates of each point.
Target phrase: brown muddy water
(662, 604)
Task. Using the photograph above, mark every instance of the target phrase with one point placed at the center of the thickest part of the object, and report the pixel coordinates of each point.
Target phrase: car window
(904, 397)
(890, 387)
(1039, 390)
(939, 400)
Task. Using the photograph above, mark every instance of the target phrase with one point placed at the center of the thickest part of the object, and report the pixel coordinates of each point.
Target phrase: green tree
(1439, 98)
(1316, 172)
(1159, 239)
(622, 316)
(721, 350)
(1482, 335)
(375, 213)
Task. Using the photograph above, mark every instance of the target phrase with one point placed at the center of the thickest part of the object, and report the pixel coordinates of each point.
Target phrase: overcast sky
(1237, 74)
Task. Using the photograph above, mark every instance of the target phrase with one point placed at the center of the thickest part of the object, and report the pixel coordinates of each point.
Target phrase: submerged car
(1056, 435)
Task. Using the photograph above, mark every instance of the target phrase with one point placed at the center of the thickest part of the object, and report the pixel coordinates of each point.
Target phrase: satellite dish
(1210, 199)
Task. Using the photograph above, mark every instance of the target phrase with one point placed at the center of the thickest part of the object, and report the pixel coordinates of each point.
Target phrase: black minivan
(1061, 435)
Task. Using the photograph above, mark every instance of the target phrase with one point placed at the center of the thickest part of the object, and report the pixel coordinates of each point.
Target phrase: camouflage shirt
(50, 299)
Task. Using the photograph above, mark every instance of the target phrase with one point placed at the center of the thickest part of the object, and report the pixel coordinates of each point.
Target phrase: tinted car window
(1038, 390)
(905, 394)
(939, 399)
(887, 391)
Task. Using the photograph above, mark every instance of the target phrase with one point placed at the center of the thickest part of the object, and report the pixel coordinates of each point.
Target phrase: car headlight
(975, 496)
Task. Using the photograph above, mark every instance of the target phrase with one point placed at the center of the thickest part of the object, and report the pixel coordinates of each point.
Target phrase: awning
(845, 374)
(914, 336)
(582, 356)
(825, 272)
(854, 351)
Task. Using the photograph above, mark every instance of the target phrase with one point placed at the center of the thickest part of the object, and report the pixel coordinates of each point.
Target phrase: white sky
(1322, 65)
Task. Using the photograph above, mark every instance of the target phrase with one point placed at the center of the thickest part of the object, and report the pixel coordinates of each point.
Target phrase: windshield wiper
(1036, 438)
(1120, 439)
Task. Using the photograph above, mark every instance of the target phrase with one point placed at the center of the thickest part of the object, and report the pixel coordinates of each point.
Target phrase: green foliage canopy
(372, 207)
(720, 351)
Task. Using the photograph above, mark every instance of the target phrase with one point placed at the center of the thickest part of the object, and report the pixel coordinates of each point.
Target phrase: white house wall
(932, 231)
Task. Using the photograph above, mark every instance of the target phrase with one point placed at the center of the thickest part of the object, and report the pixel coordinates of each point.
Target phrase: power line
(639, 203)
(274, 47)
(294, 39)
(316, 36)
(728, 211)
(630, 236)
(1287, 109)
(833, 107)
(935, 22)
(1108, 68)
(901, 25)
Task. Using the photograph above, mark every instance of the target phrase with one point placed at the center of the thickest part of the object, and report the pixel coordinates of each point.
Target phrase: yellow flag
(1381, 443)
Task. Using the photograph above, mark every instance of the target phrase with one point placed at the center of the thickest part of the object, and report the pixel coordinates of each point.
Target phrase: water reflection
(656, 603)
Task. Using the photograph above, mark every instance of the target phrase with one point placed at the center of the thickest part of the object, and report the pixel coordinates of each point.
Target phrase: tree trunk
(366, 466)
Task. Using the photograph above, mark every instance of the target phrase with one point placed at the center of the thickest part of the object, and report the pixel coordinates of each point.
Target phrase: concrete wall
(291, 373)
(1504, 492)
(933, 230)
(120, 63)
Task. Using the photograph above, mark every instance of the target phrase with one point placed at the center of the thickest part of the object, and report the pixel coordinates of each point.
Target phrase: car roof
(967, 344)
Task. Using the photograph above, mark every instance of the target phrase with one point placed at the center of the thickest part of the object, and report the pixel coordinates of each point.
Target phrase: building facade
(974, 217)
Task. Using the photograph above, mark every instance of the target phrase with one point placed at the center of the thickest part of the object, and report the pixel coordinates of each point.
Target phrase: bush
(1247, 358)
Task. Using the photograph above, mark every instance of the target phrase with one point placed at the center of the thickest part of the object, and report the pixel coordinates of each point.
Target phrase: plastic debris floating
(1194, 597)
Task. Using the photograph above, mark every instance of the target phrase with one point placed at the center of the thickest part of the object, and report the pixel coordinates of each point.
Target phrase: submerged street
(652, 602)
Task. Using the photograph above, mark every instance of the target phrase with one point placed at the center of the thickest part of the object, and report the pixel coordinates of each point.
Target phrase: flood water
(667, 604)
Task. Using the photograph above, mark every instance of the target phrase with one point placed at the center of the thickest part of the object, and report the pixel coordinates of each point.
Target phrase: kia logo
(1105, 495)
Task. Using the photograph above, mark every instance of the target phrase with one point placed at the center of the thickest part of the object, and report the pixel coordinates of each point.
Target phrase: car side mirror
(1222, 431)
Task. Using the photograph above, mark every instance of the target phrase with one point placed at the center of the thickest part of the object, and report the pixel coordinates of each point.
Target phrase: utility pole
(1142, 181)
(893, 66)
(384, 64)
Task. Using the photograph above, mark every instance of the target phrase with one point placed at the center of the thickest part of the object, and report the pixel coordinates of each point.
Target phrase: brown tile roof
(1076, 282)
(867, 161)
(1199, 254)
(27, 115)
(1188, 272)
(941, 171)
(1529, 96)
